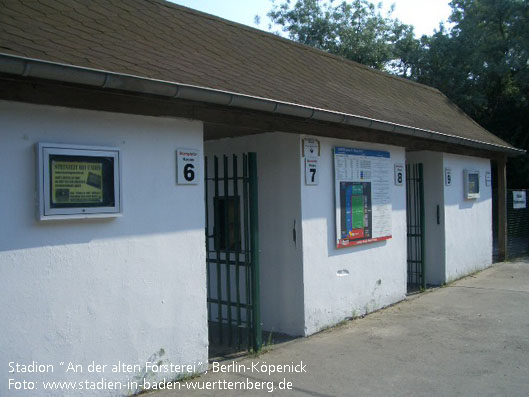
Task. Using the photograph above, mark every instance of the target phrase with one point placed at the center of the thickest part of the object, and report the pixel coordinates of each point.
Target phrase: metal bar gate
(232, 254)
(415, 227)
(517, 223)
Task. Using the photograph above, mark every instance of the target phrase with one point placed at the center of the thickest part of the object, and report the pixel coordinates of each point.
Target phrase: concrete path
(467, 339)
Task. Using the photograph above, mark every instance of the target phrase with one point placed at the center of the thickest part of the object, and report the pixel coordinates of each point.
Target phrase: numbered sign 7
(312, 176)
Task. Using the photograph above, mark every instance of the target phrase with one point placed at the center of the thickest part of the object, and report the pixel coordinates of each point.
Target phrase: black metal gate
(232, 254)
(415, 227)
(517, 223)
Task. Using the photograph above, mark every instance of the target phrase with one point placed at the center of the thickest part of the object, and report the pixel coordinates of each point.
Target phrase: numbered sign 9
(312, 175)
(448, 177)
(399, 174)
(187, 166)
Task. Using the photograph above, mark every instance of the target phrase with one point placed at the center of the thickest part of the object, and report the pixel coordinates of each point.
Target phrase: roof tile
(158, 39)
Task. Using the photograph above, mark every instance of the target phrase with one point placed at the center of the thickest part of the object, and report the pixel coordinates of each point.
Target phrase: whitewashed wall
(377, 271)
(462, 242)
(468, 223)
(128, 289)
(281, 268)
(433, 196)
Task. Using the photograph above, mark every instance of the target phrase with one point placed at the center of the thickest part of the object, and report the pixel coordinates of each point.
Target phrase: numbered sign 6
(312, 175)
(187, 166)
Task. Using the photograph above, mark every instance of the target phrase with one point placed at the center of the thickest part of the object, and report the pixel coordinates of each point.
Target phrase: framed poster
(362, 196)
(78, 181)
(471, 184)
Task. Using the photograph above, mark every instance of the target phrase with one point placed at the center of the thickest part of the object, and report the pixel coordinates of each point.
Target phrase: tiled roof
(161, 40)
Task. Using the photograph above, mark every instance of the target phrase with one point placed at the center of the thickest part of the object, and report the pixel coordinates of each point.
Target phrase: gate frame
(250, 235)
(254, 247)
(418, 179)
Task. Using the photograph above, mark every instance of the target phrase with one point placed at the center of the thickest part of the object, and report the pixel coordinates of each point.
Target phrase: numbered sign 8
(399, 174)
(187, 166)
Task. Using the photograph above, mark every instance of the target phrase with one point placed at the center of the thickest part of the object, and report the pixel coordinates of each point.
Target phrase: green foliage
(355, 30)
(481, 63)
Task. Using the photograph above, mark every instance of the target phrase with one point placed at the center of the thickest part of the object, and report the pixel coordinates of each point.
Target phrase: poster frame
(45, 211)
(467, 173)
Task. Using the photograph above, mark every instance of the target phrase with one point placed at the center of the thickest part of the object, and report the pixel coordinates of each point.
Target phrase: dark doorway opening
(232, 254)
(415, 227)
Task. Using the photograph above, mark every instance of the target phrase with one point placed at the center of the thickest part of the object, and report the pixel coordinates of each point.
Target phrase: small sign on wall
(310, 148)
(187, 166)
(312, 175)
(471, 184)
(448, 177)
(487, 178)
(519, 199)
(399, 174)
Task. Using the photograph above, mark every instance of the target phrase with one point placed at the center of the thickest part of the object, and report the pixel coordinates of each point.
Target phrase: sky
(424, 15)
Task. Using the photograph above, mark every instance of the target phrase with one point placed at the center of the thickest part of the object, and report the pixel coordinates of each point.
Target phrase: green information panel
(76, 182)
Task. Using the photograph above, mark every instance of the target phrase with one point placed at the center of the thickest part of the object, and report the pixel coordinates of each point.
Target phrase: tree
(481, 63)
(354, 30)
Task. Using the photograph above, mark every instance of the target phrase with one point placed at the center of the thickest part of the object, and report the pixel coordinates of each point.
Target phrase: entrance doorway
(415, 227)
(232, 254)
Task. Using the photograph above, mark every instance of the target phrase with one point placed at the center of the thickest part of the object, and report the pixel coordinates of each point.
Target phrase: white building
(104, 128)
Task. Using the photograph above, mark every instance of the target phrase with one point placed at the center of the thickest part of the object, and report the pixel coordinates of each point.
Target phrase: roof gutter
(28, 67)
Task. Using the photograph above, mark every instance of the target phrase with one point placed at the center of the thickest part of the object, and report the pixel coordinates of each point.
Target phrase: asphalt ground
(470, 338)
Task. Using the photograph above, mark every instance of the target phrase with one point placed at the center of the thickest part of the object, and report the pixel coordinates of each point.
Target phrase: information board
(362, 196)
(76, 182)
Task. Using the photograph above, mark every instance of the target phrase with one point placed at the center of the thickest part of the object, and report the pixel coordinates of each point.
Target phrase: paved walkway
(468, 339)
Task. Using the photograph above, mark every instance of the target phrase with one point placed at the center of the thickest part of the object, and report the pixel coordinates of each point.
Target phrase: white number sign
(399, 174)
(448, 177)
(187, 166)
(312, 175)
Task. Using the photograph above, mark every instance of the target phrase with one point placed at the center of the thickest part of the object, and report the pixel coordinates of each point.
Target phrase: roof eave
(35, 68)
